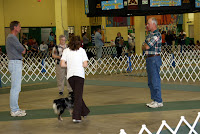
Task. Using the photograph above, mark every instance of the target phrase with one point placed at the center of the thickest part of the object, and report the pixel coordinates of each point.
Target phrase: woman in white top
(75, 59)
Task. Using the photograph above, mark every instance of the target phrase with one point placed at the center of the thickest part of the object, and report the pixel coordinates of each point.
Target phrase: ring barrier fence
(177, 65)
(175, 131)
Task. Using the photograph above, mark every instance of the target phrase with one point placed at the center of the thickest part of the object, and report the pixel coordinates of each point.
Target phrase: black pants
(119, 51)
(80, 109)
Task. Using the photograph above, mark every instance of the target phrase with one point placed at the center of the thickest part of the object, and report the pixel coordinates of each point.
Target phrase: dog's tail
(55, 108)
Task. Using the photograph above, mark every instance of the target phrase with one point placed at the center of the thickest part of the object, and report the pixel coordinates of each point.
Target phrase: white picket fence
(179, 66)
(175, 131)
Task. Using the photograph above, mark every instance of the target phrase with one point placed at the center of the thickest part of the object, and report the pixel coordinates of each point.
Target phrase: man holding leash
(152, 48)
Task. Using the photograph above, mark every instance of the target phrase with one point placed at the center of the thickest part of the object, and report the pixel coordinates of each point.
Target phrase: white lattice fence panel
(186, 66)
(179, 48)
(32, 68)
(178, 66)
(175, 131)
(5, 77)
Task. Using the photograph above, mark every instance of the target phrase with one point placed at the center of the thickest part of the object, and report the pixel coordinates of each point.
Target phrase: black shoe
(60, 93)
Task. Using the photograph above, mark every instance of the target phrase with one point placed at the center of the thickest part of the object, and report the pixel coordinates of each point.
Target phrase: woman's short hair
(74, 43)
(13, 24)
(119, 33)
(62, 36)
(51, 33)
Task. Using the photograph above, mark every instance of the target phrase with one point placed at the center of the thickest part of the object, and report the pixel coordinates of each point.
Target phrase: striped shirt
(154, 41)
(93, 41)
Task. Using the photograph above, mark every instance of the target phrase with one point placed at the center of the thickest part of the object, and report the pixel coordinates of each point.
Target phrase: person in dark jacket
(119, 41)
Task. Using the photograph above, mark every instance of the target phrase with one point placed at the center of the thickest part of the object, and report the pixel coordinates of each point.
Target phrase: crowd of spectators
(170, 38)
(33, 46)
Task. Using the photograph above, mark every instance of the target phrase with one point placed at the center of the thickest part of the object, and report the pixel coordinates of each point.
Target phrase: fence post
(129, 69)
(173, 61)
(0, 82)
(43, 66)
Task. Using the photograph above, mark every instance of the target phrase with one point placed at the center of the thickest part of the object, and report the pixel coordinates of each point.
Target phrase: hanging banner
(86, 7)
(197, 3)
(115, 4)
(159, 3)
(132, 4)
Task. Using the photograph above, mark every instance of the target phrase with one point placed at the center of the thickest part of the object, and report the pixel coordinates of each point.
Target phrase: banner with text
(115, 4)
(197, 3)
(86, 7)
(159, 3)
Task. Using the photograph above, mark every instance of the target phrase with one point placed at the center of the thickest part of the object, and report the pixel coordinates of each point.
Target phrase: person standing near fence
(75, 59)
(119, 41)
(98, 43)
(182, 39)
(61, 72)
(85, 40)
(152, 48)
(14, 51)
(169, 38)
(131, 43)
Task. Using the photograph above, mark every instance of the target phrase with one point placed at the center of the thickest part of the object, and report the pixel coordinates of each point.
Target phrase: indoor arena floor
(116, 102)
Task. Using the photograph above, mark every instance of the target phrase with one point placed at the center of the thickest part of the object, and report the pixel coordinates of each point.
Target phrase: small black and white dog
(59, 105)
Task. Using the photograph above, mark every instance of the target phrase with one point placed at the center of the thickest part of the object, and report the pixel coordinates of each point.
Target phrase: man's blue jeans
(154, 82)
(99, 51)
(15, 68)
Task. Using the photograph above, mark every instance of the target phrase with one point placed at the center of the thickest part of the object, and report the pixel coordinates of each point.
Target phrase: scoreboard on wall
(140, 7)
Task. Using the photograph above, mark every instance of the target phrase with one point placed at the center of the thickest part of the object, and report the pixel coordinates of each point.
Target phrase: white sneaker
(76, 121)
(18, 113)
(156, 105)
(150, 103)
(23, 111)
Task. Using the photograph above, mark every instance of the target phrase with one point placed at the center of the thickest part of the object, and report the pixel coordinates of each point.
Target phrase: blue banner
(115, 4)
(197, 3)
(160, 3)
(86, 7)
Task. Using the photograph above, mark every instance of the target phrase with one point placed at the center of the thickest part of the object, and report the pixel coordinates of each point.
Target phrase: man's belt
(152, 55)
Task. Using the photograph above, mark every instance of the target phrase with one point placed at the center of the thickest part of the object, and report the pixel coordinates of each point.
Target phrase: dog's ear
(55, 101)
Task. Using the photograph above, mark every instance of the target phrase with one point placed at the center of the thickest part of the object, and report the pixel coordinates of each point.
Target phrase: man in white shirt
(43, 47)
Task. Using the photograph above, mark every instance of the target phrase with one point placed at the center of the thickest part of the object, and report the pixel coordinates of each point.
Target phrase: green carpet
(105, 110)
